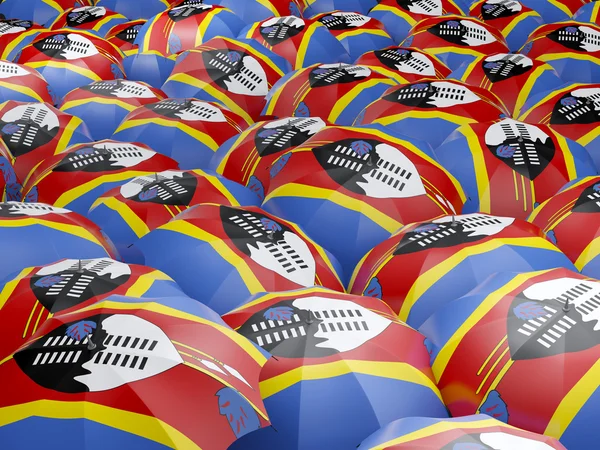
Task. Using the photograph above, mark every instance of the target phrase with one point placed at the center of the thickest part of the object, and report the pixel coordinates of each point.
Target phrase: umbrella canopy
(220, 255)
(186, 26)
(76, 177)
(309, 8)
(236, 73)
(572, 112)
(103, 105)
(124, 35)
(10, 185)
(188, 130)
(428, 264)
(302, 42)
(404, 64)
(399, 16)
(128, 212)
(39, 11)
(135, 10)
(35, 234)
(247, 158)
(569, 220)
(572, 48)
(479, 431)
(555, 11)
(456, 39)
(36, 131)
(514, 78)
(588, 13)
(335, 92)
(69, 59)
(431, 109)
(350, 188)
(515, 20)
(38, 293)
(508, 167)
(15, 34)
(357, 33)
(140, 374)
(255, 11)
(493, 351)
(96, 19)
(371, 367)
(23, 84)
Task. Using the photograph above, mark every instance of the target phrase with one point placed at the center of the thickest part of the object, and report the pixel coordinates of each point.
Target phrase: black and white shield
(523, 147)
(68, 46)
(503, 66)
(279, 135)
(589, 200)
(20, 210)
(170, 187)
(27, 127)
(119, 88)
(497, 9)
(236, 72)
(330, 74)
(189, 110)
(341, 20)
(577, 37)
(103, 157)
(451, 231)
(432, 94)
(279, 29)
(580, 106)
(424, 7)
(85, 14)
(313, 327)
(462, 32)
(406, 61)
(371, 168)
(11, 70)
(184, 11)
(14, 26)
(130, 33)
(538, 325)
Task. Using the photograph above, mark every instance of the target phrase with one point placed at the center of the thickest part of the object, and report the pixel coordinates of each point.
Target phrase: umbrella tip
(309, 319)
(567, 307)
(90, 345)
(79, 267)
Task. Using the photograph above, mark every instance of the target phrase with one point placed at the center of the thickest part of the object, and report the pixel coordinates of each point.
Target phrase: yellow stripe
(268, 5)
(342, 103)
(396, 12)
(595, 9)
(9, 288)
(442, 427)
(137, 225)
(394, 370)
(300, 55)
(552, 94)
(554, 56)
(481, 173)
(362, 32)
(445, 354)
(526, 89)
(206, 21)
(458, 120)
(567, 155)
(454, 50)
(64, 65)
(240, 138)
(430, 277)
(521, 16)
(591, 251)
(205, 138)
(300, 190)
(145, 282)
(589, 137)
(218, 185)
(76, 230)
(147, 38)
(572, 403)
(91, 101)
(14, 41)
(238, 263)
(137, 424)
(469, 69)
(53, 4)
(23, 90)
(98, 25)
(563, 8)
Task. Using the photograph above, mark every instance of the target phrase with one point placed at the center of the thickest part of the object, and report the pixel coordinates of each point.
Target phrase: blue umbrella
(149, 67)
(136, 9)
(38, 11)
(554, 10)
(314, 7)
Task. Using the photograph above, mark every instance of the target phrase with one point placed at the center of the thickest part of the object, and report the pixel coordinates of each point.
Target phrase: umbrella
(350, 188)
(135, 10)
(428, 264)
(514, 78)
(335, 92)
(15, 34)
(309, 8)
(302, 42)
(124, 35)
(235, 73)
(553, 10)
(342, 367)
(399, 16)
(128, 212)
(588, 13)
(523, 349)
(569, 220)
(187, 130)
(247, 158)
(357, 33)
(572, 48)
(39, 11)
(10, 185)
(143, 375)
(255, 11)
(23, 84)
(74, 178)
(431, 109)
(96, 19)
(571, 111)
(508, 167)
(149, 67)
(103, 105)
(404, 64)
(38, 293)
(36, 234)
(35, 131)
(479, 431)
(456, 39)
(515, 20)
(220, 255)
(69, 59)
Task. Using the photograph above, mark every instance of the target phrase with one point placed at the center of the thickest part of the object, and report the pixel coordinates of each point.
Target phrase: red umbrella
(248, 158)
(22, 83)
(404, 64)
(16, 34)
(124, 35)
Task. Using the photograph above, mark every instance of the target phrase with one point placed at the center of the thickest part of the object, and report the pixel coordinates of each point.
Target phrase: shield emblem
(432, 94)
(330, 74)
(589, 200)
(190, 110)
(279, 135)
(505, 65)
(497, 9)
(406, 61)
(580, 106)
(462, 32)
(236, 72)
(86, 14)
(66, 46)
(279, 29)
(581, 38)
(344, 20)
(425, 7)
(19, 210)
(184, 11)
(119, 89)
(25, 128)
(165, 188)
(103, 157)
